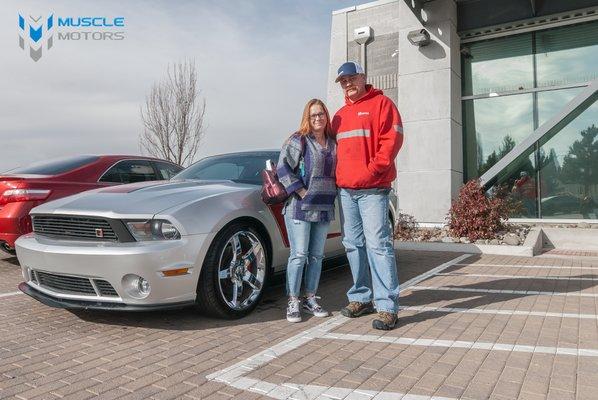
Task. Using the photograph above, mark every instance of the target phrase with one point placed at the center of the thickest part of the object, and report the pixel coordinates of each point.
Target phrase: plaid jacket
(317, 176)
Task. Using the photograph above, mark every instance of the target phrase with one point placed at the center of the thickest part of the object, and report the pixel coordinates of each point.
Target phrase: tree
(173, 116)
(580, 165)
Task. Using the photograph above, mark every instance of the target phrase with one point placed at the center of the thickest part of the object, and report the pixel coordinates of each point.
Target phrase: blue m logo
(34, 32)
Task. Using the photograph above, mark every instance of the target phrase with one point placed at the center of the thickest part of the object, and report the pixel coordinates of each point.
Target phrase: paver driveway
(475, 328)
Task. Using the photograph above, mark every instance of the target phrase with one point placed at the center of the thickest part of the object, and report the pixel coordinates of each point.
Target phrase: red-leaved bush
(475, 216)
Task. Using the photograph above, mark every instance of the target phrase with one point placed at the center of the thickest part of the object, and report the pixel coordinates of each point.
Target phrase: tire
(8, 250)
(232, 289)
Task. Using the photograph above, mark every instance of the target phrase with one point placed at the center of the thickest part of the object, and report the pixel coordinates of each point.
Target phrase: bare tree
(173, 116)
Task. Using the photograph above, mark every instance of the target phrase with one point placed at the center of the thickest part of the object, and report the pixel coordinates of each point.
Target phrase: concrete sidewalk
(480, 327)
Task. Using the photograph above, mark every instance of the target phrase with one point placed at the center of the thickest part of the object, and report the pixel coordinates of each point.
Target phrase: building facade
(504, 92)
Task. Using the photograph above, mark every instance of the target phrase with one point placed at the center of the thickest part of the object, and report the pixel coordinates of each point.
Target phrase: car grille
(73, 227)
(73, 284)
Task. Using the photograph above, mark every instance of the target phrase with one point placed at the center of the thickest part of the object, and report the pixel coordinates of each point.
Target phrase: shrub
(476, 216)
(405, 227)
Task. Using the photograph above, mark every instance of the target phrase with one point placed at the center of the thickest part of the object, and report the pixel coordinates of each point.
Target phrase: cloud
(259, 62)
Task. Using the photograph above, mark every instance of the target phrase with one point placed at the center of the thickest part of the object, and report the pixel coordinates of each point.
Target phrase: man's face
(353, 86)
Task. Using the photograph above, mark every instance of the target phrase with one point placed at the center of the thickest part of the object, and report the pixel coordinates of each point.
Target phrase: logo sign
(34, 33)
(39, 32)
(99, 233)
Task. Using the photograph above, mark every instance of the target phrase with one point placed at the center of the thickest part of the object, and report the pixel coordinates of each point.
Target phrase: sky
(258, 62)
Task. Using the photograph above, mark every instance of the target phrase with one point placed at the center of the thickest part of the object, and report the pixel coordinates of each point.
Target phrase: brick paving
(489, 327)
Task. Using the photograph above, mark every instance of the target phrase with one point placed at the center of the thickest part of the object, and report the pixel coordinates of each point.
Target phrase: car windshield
(55, 166)
(242, 168)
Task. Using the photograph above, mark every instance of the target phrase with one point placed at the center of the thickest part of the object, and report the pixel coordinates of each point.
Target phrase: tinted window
(166, 170)
(244, 168)
(129, 171)
(55, 166)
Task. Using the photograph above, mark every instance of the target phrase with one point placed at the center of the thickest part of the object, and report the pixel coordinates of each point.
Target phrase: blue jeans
(368, 241)
(307, 240)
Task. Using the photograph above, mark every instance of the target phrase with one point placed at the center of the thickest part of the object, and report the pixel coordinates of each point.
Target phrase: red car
(23, 188)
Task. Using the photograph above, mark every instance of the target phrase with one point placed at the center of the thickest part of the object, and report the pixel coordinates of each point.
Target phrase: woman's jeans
(307, 240)
(367, 237)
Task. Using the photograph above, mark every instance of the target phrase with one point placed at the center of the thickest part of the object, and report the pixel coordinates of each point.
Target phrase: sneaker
(293, 312)
(311, 306)
(385, 321)
(356, 309)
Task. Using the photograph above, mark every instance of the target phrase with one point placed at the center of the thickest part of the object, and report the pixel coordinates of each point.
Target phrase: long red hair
(305, 127)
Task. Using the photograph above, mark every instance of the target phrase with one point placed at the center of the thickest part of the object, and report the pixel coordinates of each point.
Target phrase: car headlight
(153, 229)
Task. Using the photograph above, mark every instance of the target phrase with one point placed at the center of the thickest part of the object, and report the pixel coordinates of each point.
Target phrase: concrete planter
(532, 246)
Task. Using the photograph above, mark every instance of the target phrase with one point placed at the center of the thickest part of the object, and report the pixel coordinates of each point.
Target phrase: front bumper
(96, 305)
(111, 262)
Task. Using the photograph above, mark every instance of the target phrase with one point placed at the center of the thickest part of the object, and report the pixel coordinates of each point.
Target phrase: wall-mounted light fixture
(362, 36)
(419, 38)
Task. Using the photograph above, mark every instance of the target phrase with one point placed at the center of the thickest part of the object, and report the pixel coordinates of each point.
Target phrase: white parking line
(523, 292)
(524, 266)
(234, 375)
(460, 344)
(498, 312)
(10, 294)
(549, 278)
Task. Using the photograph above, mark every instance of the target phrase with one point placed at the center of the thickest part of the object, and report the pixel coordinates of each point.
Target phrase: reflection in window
(569, 168)
(492, 127)
(567, 55)
(498, 65)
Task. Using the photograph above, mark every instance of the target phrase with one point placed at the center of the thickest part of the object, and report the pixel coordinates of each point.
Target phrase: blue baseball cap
(349, 68)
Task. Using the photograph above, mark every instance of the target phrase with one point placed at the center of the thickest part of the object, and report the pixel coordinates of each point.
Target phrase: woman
(306, 168)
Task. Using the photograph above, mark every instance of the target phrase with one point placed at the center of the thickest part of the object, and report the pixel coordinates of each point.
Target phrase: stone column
(430, 163)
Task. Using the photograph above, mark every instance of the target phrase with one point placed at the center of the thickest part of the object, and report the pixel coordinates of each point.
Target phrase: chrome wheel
(241, 270)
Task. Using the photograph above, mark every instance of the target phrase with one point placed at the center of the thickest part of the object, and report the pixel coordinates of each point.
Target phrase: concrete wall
(431, 161)
(428, 96)
(382, 16)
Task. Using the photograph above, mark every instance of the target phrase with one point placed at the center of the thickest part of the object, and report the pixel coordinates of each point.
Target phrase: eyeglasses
(321, 115)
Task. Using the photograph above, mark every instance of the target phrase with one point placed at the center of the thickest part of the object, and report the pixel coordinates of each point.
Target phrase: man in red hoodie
(369, 134)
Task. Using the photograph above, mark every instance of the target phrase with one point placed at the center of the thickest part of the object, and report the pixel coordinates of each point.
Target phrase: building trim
(530, 25)
(524, 91)
(364, 6)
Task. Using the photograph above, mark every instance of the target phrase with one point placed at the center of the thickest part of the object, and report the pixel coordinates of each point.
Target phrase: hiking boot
(356, 309)
(385, 321)
(311, 306)
(293, 310)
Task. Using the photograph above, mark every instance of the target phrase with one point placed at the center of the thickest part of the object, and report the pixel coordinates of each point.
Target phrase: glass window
(244, 168)
(492, 127)
(166, 170)
(518, 181)
(498, 65)
(569, 169)
(55, 166)
(130, 171)
(567, 55)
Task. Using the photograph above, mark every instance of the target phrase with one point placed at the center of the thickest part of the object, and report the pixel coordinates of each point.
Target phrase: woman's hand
(302, 192)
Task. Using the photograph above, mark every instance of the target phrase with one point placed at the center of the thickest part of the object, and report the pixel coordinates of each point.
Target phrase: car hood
(137, 200)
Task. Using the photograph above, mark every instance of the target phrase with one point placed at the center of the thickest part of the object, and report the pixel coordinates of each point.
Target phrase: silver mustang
(205, 238)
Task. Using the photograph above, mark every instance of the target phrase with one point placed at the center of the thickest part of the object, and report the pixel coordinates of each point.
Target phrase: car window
(244, 168)
(166, 170)
(129, 171)
(55, 166)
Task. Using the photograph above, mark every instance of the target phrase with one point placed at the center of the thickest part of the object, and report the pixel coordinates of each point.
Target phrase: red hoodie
(369, 134)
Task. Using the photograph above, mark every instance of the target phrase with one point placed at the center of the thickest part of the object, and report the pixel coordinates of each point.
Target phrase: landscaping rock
(448, 239)
(464, 240)
(494, 241)
(481, 241)
(584, 225)
(512, 239)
